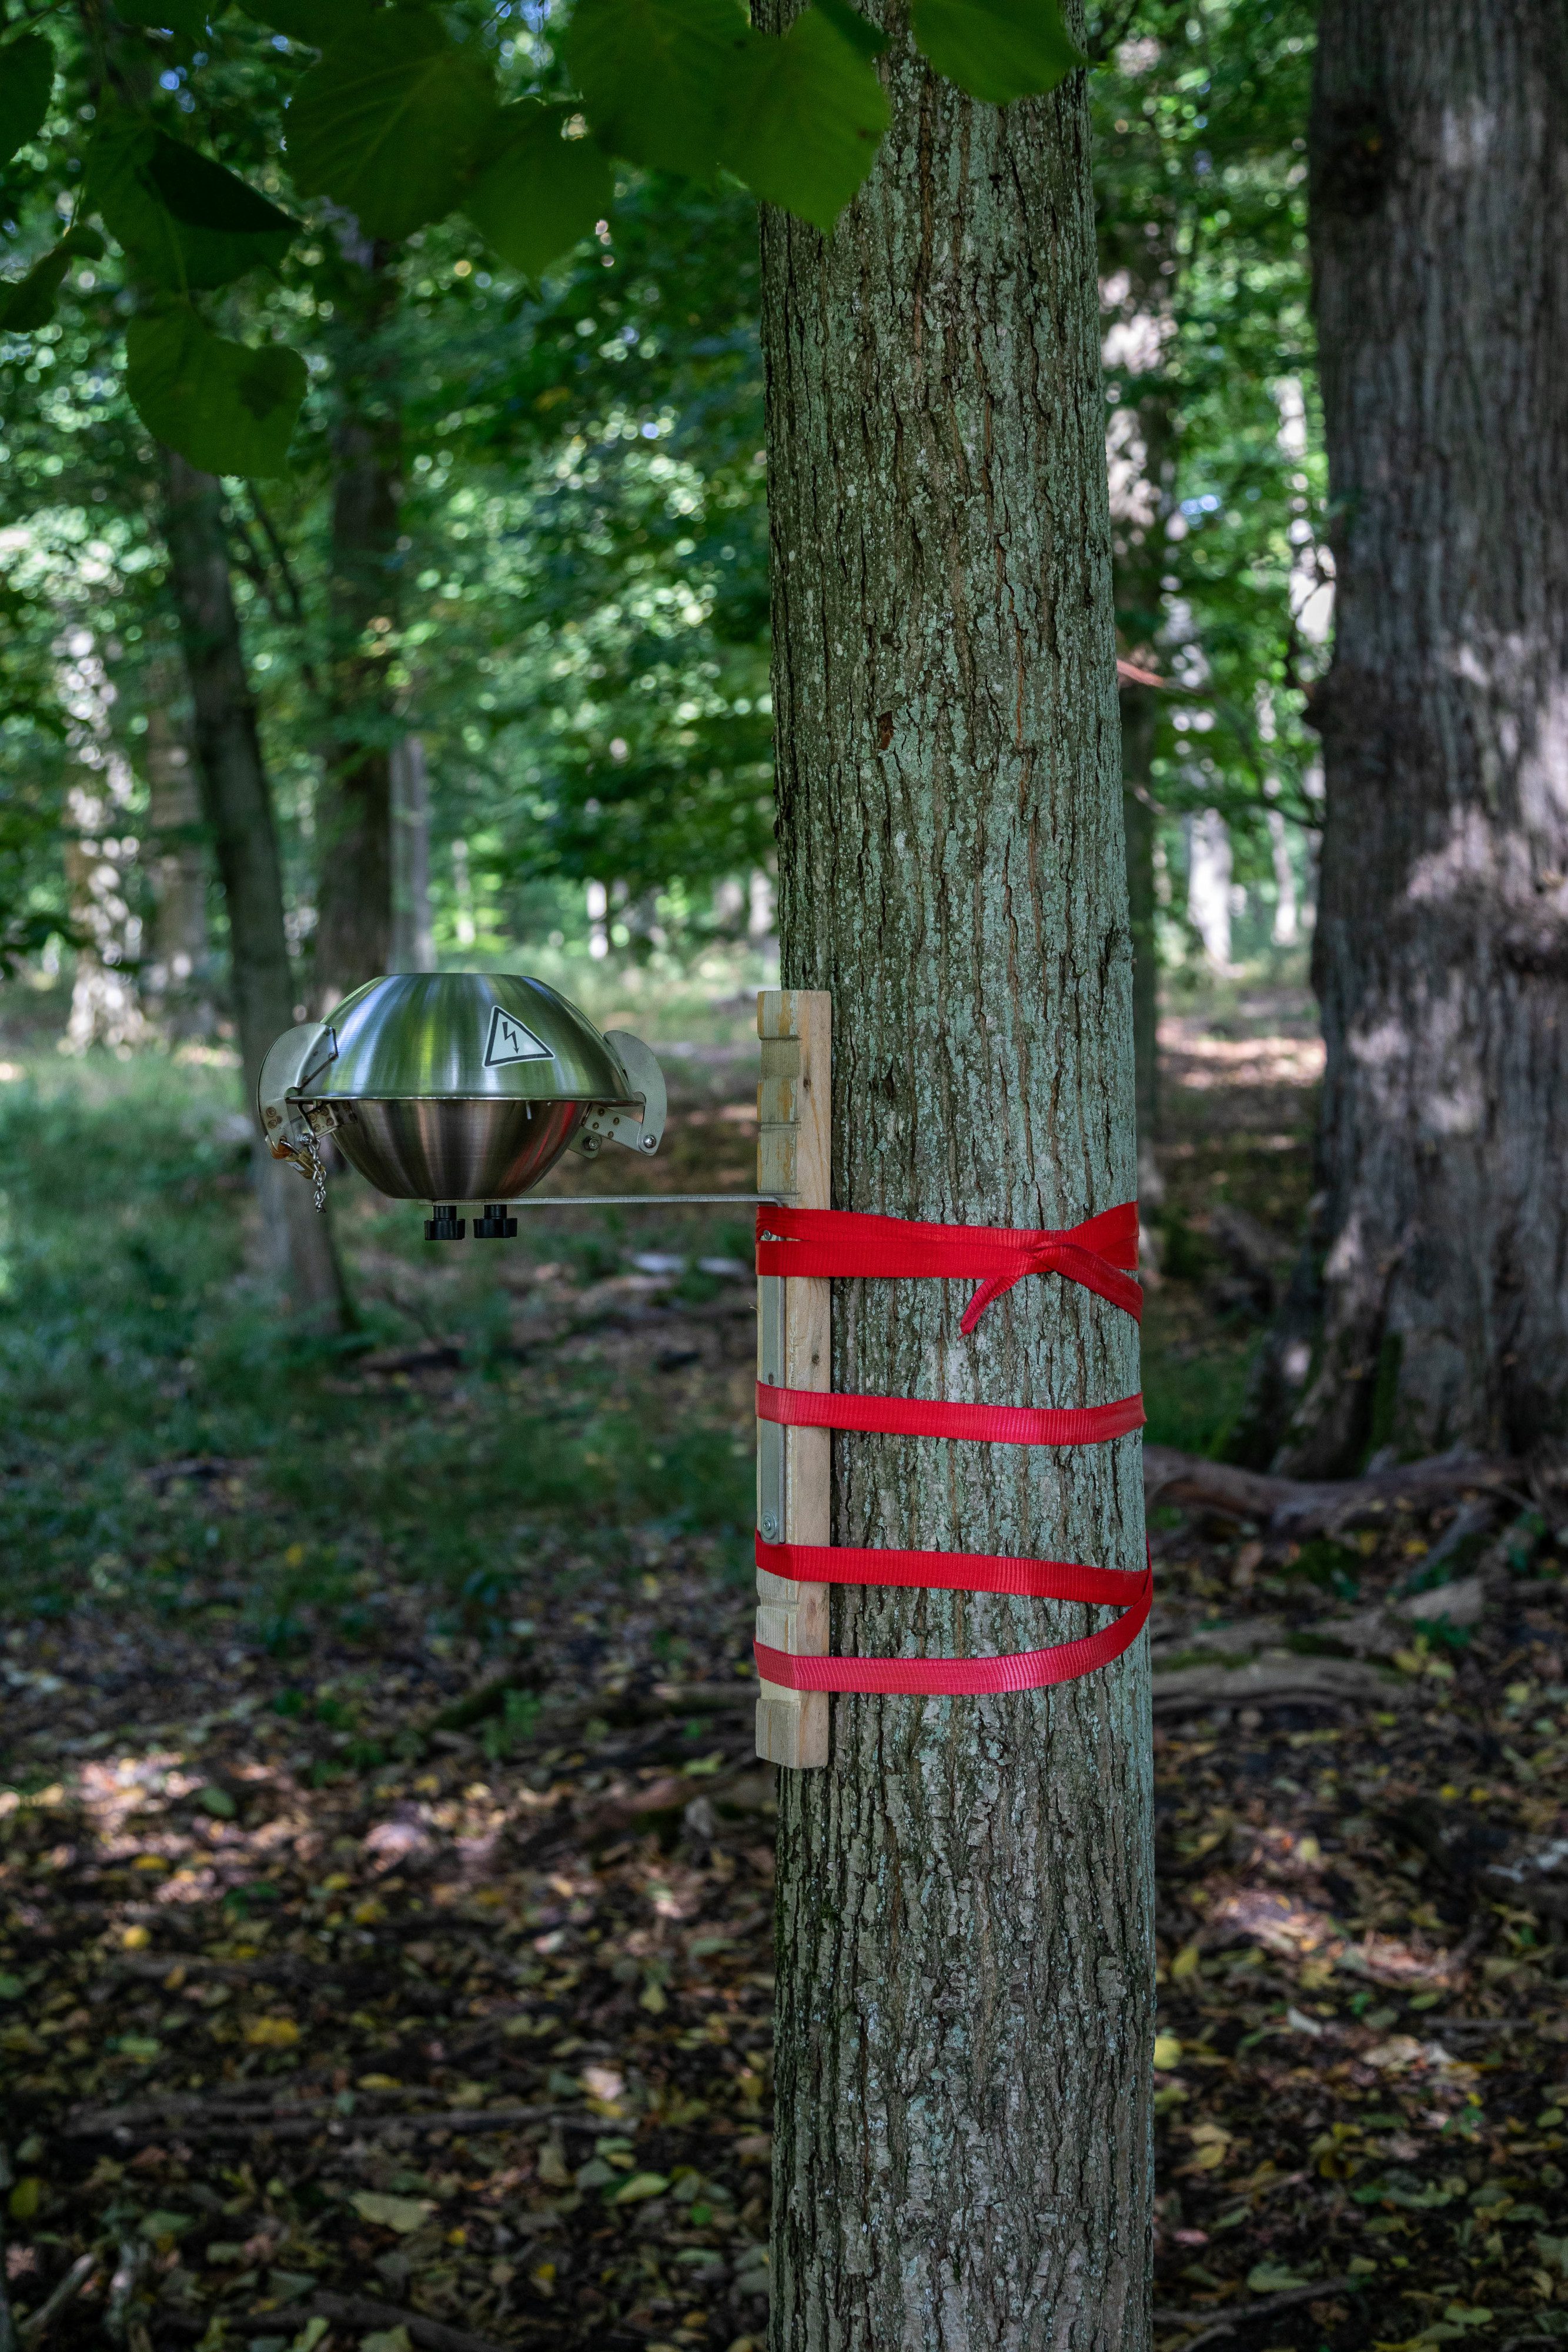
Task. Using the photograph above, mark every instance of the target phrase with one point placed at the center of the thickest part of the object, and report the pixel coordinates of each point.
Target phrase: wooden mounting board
(794, 1114)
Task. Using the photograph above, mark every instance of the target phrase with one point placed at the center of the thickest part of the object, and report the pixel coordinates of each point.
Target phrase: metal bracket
(639, 1121)
(298, 1055)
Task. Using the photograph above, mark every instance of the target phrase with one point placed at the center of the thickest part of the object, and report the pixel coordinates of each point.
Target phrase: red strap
(966, 1677)
(952, 1571)
(825, 1242)
(828, 1241)
(998, 1424)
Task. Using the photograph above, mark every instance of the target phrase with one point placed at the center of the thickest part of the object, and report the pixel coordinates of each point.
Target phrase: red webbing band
(996, 1425)
(953, 1571)
(827, 1242)
(841, 1241)
(1020, 1670)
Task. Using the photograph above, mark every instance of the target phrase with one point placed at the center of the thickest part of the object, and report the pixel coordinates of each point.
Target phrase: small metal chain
(306, 1157)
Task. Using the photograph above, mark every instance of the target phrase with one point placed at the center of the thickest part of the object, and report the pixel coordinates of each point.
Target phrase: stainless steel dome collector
(452, 1087)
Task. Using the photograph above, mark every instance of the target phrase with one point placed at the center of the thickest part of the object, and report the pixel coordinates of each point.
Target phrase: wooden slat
(794, 1110)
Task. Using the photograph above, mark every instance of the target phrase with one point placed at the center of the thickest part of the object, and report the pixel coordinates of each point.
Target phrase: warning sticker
(509, 1041)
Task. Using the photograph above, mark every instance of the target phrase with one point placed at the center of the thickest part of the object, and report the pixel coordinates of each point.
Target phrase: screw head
(769, 1525)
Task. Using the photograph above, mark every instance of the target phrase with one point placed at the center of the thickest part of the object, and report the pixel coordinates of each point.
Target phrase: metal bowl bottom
(454, 1147)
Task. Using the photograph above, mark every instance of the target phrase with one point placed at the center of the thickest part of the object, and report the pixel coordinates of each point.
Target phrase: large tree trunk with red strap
(1439, 166)
(966, 1991)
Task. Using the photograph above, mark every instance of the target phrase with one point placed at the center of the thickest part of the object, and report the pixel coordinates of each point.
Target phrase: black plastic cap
(495, 1225)
(446, 1226)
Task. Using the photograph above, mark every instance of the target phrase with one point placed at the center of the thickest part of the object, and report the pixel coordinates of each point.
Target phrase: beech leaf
(26, 79)
(183, 220)
(229, 408)
(996, 50)
(27, 303)
(391, 121)
(866, 39)
(660, 77)
(316, 23)
(814, 119)
(186, 17)
(401, 2213)
(542, 192)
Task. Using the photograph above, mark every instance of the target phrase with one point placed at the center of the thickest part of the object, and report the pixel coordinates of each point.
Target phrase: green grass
(134, 1337)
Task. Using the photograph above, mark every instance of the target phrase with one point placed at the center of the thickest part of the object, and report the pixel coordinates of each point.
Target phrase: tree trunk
(238, 809)
(965, 1993)
(1439, 170)
(1139, 722)
(413, 948)
(175, 981)
(354, 810)
(101, 859)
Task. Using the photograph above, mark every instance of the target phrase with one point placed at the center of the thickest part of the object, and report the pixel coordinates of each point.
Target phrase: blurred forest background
(384, 1957)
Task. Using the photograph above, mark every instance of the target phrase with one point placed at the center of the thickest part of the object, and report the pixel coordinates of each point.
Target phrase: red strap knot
(826, 1242)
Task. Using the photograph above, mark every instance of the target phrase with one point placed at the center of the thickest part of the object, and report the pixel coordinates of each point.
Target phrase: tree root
(1330, 1682)
(1294, 1508)
(1210, 2323)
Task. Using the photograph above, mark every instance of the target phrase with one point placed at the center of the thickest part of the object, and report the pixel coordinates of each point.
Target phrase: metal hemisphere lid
(425, 1036)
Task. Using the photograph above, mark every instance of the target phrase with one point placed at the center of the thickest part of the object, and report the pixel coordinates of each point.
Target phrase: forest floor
(385, 1875)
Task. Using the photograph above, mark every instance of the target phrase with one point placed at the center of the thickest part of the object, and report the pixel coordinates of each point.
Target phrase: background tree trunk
(413, 948)
(966, 1991)
(238, 808)
(354, 809)
(1439, 165)
(175, 982)
(1140, 718)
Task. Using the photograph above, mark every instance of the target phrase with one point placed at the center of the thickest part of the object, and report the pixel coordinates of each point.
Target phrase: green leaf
(996, 50)
(641, 2186)
(187, 17)
(401, 2213)
(27, 303)
(860, 34)
(542, 192)
(316, 22)
(183, 220)
(391, 121)
(1274, 2278)
(27, 77)
(228, 408)
(813, 118)
(659, 75)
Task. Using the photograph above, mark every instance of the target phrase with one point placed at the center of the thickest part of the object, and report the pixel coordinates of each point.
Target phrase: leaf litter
(419, 1994)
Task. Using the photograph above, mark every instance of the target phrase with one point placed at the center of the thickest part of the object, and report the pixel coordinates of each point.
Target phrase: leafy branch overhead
(401, 121)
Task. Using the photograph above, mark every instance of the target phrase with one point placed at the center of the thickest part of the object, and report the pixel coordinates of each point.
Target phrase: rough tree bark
(1439, 173)
(237, 806)
(354, 810)
(966, 1991)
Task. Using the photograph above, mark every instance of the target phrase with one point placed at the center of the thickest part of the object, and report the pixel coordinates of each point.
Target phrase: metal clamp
(639, 1121)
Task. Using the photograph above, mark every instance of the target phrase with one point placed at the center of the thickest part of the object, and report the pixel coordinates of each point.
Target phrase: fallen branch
(1320, 1682)
(1210, 2325)
(1295, 1508)
(306, 2122)
(29, 2330)
(356, 2311)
